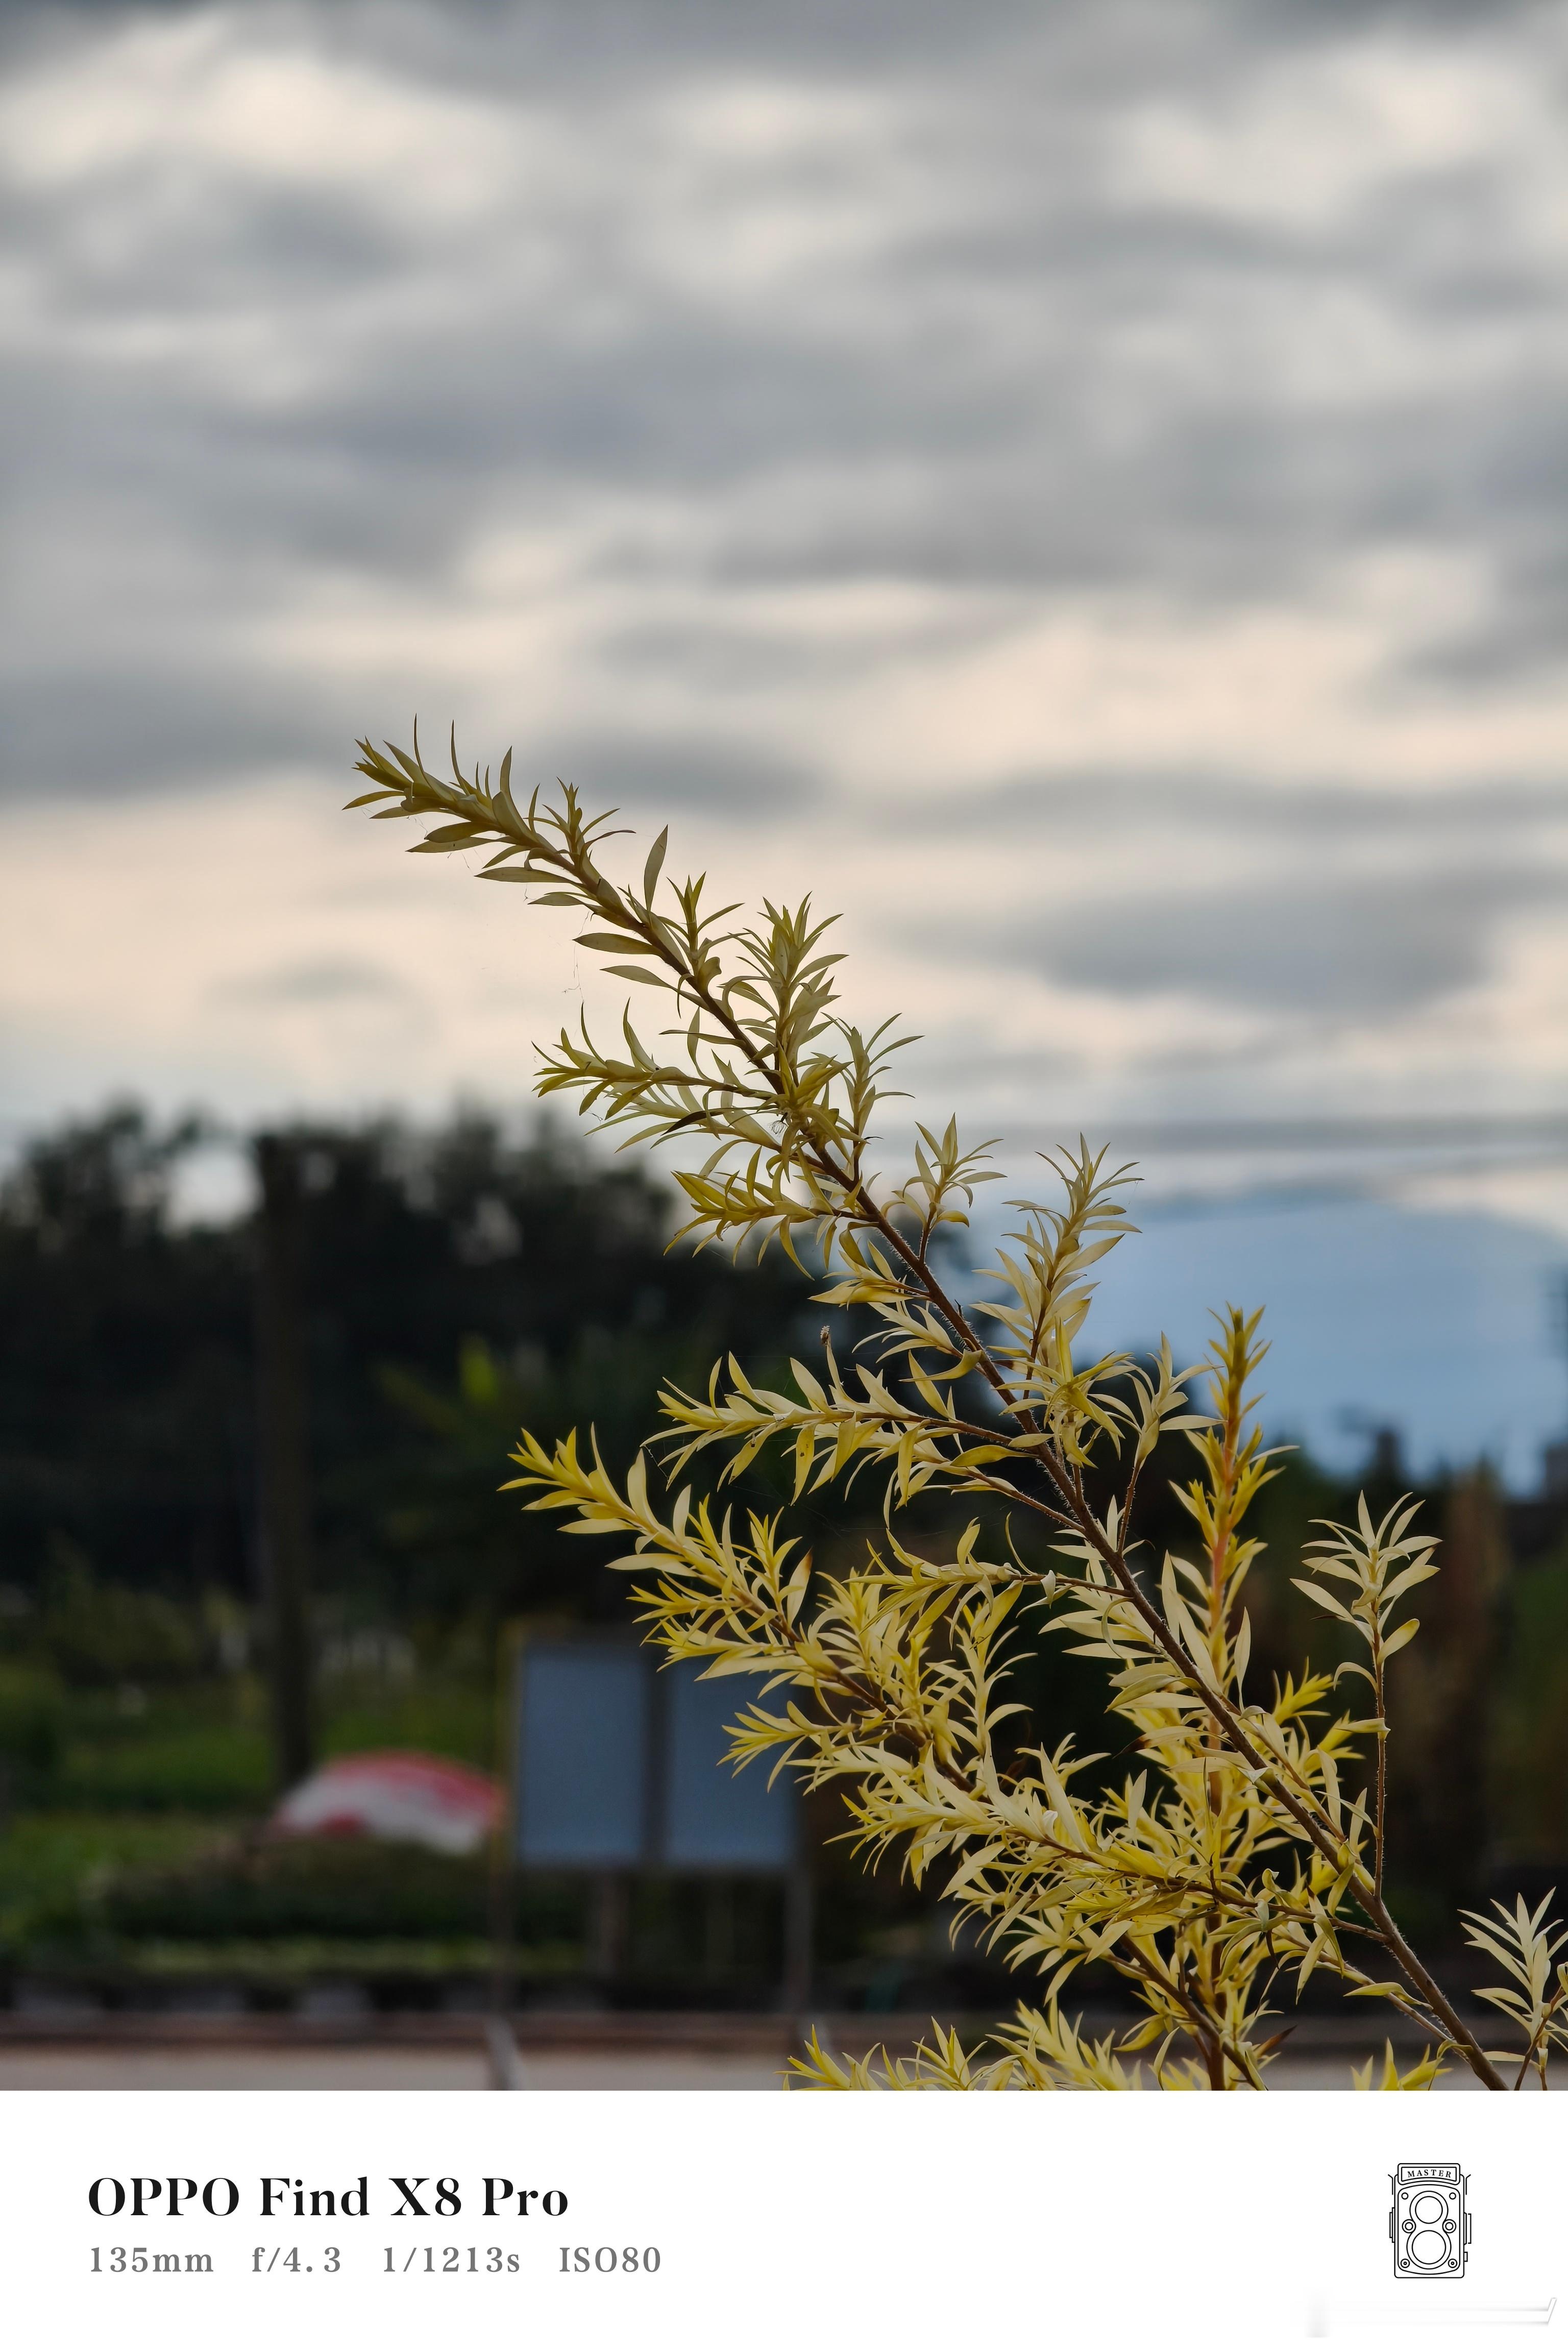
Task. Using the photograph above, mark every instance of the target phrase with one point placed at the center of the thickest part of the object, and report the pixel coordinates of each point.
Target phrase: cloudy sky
(1080, 487)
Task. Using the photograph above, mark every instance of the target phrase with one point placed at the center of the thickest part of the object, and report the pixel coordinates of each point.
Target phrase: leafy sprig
(1244, 1851)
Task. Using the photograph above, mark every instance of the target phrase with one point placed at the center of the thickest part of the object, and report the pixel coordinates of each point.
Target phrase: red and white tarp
(395, 1794)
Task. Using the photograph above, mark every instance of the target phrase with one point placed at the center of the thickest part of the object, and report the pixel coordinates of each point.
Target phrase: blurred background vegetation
(456, 1281)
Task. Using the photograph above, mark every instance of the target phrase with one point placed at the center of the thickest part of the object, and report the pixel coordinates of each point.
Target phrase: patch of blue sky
(1442, 1324)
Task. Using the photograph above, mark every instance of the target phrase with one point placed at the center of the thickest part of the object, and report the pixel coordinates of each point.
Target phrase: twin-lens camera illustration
(1430, 2222)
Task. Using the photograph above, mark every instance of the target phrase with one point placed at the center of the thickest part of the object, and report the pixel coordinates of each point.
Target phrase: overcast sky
(1079, 486)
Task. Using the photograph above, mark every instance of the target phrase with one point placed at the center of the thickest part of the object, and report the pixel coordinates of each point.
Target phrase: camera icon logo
(1429, 2222)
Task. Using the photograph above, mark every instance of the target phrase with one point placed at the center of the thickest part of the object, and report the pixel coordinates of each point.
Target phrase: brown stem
(1213, 2044)
(1321, 1832)
(1431, 1992)
(1381, 1800)
(848, 1181)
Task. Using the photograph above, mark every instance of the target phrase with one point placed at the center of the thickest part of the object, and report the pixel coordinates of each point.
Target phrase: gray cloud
(1002, 363)
(321, 981)
(682, 775)
(1314, 818)
(1324, 948)
(1344, 905)
(115, 727)
(982, 353)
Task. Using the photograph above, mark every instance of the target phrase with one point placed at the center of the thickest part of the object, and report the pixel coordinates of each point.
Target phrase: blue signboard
(621, 1767)
(715, 1818)
(582, 1744)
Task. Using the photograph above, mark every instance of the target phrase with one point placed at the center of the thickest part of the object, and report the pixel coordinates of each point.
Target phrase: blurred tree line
(456, 1281)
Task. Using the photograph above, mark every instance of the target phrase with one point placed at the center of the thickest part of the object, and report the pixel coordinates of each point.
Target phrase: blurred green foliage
(32, 1723)
(1531, 1698)
(55, 1864)
(333, 1887)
